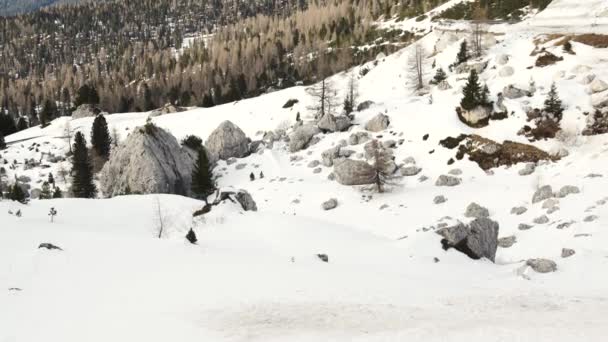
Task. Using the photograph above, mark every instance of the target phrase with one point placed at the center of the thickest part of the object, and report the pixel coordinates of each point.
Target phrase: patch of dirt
(547, 58)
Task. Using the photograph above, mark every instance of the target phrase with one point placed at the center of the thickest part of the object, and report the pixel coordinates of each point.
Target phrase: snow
(255, 276)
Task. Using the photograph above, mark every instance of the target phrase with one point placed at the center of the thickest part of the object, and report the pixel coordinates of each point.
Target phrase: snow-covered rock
(542, 194)
(542, 265)
(446, 180)
(378, 123)
(227, 141)
(474, 210)
(330, 204)
(598, 86)
(302, 136)
(333, 123)
(506, 71)
(480, 238)
(85, 111)
(354, 172)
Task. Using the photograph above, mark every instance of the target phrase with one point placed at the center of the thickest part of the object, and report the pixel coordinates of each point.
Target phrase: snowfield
(256, 276)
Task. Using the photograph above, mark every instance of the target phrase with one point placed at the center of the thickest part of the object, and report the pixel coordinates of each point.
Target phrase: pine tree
(46, 191)
(48, 113)
(51, 179)
(463, 53)
(471, 92)
(202, 176)
(484, 96)
(22, 123)
(553, 105)
(86, 95)
(440, 76)
(351, 95)
(7, 124)
(2, 142)
(17, 194)
(100, 137)
(57, 193)
(82, 169)
(191, 237)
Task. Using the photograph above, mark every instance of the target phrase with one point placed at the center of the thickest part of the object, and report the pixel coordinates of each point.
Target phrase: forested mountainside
(13, 7)
(139, 55)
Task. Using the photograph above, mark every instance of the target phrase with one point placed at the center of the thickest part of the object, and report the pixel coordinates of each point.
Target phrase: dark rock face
(477, 240)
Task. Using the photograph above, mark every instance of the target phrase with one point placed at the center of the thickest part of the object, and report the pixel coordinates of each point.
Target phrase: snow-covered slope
(571, 16)
(256, 275)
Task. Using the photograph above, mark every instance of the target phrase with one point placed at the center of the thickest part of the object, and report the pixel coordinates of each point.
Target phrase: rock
(330, 204)
(502, 59)
(409, 171)
(354, 172)
(328, 156)
(507, 242)
(518, 210)
(227, 141)
(49, 246)
(528, 169)
(598, 86)
(444, 85)
(323, 257)
(314, 164)
(547, 58)
(566, 252)
(511, 92)
(166, 109)
(466, 67)
(364, 105)
(506, 71)
(474, 210)
(477, 240)
(541, 219)
(423, 178)
(240, 166)
(149, 161)
(330, 123)
(550, 203)
(35, 193)
(586, 79)
(24, 179)
(476, 117)
(302, 136)
(565, 225)
(290, 103)
(345, 153)
(523, 226)
(85, 111)
(410, 160)
(358, 138)
(246, 201)
(542, 194)
(378, 123)
(439, 199)
(445, 180)
(590, 218)
(317, 170)
(600, 100)
(542, 265)
(389, 143)
(455, 172)
(568, 190)
(552, 209)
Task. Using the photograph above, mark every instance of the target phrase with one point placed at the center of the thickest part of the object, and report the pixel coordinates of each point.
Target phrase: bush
(192, 141)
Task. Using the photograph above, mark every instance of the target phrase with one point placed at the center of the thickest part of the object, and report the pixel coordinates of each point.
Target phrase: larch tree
(324, 96)
(416, 65)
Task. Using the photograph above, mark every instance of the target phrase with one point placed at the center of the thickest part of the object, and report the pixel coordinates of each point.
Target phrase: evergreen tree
(46, 191)
(484, 98)
(471, 92)
(202, 176)
(82, 169)
(2, 142)
(48, 113)
(86, 95)
(207, 101)
(553, 105)
(7, 124)
(351, 95)
(463, 53)
(22, 123)
(51, 179)
(440, 76)
(100, 137)
(57, 193)
(17, 194)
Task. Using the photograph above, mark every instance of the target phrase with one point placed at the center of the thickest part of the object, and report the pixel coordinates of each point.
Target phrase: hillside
(13, 7)
(258, 275)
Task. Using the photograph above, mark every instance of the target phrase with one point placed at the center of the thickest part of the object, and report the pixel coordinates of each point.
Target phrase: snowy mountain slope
(256, 276)
(571, 16)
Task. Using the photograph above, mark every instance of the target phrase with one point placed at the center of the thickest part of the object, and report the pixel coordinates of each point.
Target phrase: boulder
(49, 246)
(331, 123)
(149, 161)
(550, 203)
(523, 226)
(598, 86)
(518, 210)
(474, 210)
(528, 169)
(444, 85)
(354, 172)
(507, 242)
(541, 219)
(512, 92)
(302, 136)
(567, 252)
(166, 109)
(463, 68)
(445, 180)
(227, 141)
(314, 164)
(502, 59)
(586, 79)
(330, 204)
(477, 240)
(439, 199)
(358, 138)
(542, 194)
(246, 201)
(600, 100)
(328, 156)
(542, 265)
(85, 111)
(506, 71)
(409, 171)
(476, 117)
(568, 190)
(364, 105)
(378, 123)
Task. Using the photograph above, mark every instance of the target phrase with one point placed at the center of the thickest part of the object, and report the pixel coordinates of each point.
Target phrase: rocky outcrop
(331, 123)
(149, 161)
(378, 123)
(301, 137)
(227, 141)
(85, 111)
(354, 172)
(477, 240)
